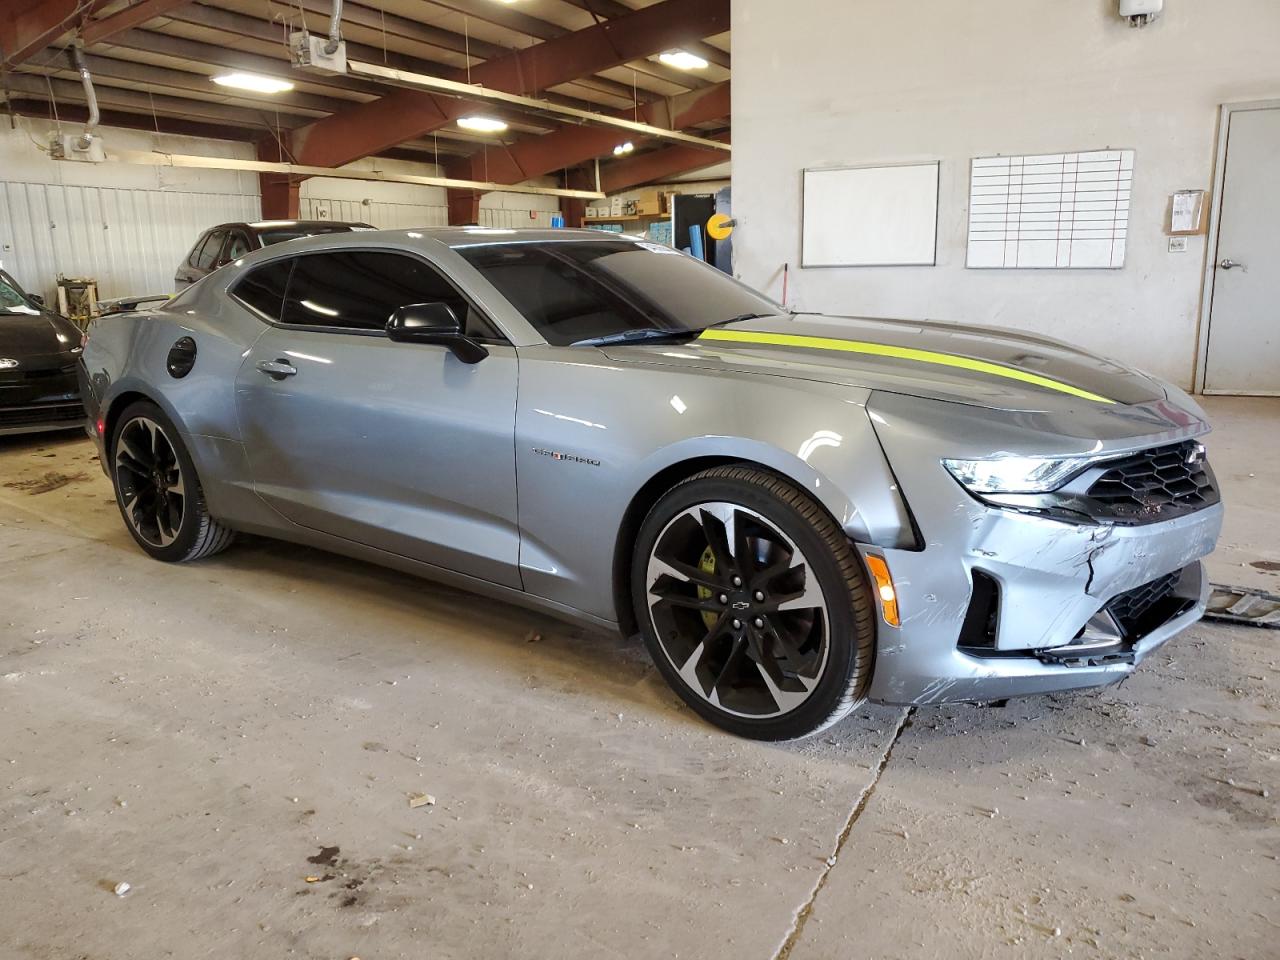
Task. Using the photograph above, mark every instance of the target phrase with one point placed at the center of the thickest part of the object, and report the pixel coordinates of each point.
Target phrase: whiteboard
(1054, 210)
(870, 216)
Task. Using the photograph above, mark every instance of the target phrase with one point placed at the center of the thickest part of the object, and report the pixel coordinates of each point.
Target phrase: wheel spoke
(807, 598)
(669, 594)
(785, 699)
(677, 570)
(719, 524)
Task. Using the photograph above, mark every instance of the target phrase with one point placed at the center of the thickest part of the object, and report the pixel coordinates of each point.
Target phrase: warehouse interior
(281, 751)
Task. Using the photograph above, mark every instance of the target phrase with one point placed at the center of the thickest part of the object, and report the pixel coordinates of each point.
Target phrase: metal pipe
(335, 28)
(91, 98)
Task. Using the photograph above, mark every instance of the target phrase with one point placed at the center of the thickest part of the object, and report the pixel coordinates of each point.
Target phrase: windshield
(12, 299)
(576, 291)
(298, 230)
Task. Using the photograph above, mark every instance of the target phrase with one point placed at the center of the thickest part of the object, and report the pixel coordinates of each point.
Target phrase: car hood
(25, 335)
(987, 366)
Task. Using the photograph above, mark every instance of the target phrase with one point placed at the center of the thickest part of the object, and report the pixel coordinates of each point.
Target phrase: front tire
(753, 604)
(157, 490)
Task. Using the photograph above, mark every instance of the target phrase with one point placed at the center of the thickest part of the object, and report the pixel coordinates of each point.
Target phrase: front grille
(39, 415)
(1155, 484)
(1140, 610)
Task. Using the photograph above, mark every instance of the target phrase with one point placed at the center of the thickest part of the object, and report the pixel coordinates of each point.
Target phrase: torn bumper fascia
(1053, 577)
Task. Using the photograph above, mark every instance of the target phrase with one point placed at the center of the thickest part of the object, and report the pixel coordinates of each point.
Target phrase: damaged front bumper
(1002, 603)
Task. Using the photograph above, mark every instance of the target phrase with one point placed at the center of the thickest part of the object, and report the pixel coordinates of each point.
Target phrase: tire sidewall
(842, 657)
(189, 529)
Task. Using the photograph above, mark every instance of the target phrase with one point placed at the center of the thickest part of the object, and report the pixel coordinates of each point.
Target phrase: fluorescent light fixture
(623, 148)
(682, 60)
(482, 124)
(254, 82)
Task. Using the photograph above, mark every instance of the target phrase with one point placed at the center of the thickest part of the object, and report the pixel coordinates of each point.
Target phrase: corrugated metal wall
(386, 216)
(403, 216)
(129, 240)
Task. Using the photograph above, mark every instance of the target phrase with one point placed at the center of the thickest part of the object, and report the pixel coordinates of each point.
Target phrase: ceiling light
(254, 82)
(482, 124)
(682, 60)
(623, 148)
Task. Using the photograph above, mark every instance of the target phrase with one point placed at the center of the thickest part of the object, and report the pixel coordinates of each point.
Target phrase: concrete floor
(239, 739)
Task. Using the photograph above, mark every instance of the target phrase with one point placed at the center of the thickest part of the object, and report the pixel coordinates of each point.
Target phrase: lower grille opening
(978, 632)
(1144, 608)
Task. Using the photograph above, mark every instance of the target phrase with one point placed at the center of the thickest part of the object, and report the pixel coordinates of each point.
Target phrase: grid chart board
(1054, 210)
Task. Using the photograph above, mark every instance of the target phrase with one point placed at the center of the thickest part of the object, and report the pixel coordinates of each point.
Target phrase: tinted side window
(209, 252)
(360, 289)
(237, 246)
(194, 255)
(263, 288)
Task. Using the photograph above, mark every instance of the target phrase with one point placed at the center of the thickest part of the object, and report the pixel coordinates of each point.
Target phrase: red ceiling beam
(657, 165)
(75, 113)
(406, 114)
(95, 31)
(569, 145)
(28, 26)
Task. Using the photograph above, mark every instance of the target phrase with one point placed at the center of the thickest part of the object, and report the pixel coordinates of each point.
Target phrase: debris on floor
(421, 800)
(121, 888)
(1243, 606)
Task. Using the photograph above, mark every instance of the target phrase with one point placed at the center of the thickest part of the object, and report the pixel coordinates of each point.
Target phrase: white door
(1244, 316)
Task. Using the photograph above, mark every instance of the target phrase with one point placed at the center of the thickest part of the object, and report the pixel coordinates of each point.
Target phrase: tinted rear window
(263, 288)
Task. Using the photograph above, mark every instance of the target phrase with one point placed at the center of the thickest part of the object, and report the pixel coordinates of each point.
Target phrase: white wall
(127, 226)
(401, 205)
(836, 82)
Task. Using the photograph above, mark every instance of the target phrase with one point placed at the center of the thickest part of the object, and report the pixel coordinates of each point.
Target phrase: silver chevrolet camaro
(796, 512)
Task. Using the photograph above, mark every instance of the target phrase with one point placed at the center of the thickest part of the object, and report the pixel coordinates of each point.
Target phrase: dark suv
(229, 241)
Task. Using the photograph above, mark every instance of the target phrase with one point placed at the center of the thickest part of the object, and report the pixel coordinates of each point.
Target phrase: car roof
(285, 224)
(453, 237)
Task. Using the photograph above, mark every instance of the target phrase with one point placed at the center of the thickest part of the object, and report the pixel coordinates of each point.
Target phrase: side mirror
(434, 323)
(36, 299)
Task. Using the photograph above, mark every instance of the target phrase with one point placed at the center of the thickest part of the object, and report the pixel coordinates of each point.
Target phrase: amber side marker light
(884, 588)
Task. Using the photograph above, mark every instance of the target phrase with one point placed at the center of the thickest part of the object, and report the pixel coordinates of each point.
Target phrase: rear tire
(753, 604)
(157, 490)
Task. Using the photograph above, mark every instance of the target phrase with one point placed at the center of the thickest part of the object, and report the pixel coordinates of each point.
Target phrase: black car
(226, 242)
(39, 350)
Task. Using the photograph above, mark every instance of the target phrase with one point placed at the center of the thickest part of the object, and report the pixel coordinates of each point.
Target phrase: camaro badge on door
(570, 457)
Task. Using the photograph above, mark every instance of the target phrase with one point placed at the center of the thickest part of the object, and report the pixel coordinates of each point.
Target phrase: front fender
(592, 434)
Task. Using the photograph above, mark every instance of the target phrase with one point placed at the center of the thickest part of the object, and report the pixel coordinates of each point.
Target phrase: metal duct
(91, 98)
(335, 28)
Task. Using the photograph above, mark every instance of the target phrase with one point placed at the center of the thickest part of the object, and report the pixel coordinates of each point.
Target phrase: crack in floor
(802, 915)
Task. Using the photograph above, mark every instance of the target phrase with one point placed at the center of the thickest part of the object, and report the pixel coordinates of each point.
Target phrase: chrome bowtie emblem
(7, 363)
(741, 605)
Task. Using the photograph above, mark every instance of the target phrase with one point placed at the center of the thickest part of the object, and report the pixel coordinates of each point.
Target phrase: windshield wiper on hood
(743, 316)
(649, 335)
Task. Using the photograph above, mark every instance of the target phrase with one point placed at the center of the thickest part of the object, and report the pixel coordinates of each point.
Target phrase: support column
(279, 191)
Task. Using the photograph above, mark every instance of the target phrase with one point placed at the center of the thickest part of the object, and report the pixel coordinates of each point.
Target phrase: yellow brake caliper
(707, 564)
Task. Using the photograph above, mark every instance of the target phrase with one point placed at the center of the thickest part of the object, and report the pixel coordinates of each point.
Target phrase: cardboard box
(617, 207)
(591, 213)
(648, 208)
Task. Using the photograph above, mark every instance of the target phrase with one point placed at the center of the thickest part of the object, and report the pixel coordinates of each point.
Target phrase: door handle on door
(1226, 263)
(277, 369)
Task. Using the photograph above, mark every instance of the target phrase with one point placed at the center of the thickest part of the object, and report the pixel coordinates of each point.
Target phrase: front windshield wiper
(739, 318)
(648, 335)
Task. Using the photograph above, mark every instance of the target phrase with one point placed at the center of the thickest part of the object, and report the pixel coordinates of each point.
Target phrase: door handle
(1226, 263)
(277, 369)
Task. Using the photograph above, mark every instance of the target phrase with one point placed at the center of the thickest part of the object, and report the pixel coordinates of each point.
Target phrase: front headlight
(1015, 474)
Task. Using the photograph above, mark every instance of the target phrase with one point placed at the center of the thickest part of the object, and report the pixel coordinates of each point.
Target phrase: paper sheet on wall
(1056, 210)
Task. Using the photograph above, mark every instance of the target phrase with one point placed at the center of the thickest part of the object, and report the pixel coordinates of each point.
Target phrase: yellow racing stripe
(899, 353)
